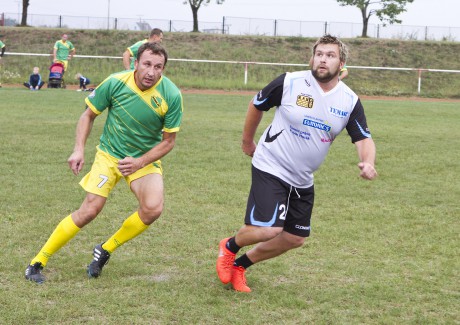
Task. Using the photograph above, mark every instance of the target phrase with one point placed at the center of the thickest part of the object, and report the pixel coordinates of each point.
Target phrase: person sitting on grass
(35, 80)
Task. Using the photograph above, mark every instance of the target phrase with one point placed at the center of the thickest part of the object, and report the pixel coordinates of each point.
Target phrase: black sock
(232, 246)
(243, 261)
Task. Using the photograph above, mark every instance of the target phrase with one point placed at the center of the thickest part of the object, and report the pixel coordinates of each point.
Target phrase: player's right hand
(76, 162)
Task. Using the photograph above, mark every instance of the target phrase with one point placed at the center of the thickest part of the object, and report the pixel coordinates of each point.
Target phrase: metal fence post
(275, 28)
(60, 22)
(325, 27)
(223, 25)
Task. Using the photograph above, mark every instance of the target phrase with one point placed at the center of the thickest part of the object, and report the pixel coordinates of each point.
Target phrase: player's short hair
(329, 39)
(156, 31)
(153, 47)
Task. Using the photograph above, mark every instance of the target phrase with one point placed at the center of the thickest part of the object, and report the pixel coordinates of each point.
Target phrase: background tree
(25, 7)
(195, 5)
(385, 10)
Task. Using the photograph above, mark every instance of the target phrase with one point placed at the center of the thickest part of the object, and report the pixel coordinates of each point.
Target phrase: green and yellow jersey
(2, 45)
(136, 118)
(133, 49)
(63, 49)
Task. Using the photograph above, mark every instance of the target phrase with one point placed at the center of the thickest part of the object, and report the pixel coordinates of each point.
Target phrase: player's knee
(150, 212)
(295, 241)
(85, 215)
(265, 233)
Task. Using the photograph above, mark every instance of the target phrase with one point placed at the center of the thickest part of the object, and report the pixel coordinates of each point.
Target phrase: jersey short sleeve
(357, 125)
(270, 95)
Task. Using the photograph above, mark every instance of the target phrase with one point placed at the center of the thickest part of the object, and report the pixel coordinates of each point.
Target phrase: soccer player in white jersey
(144, 114)
(312, 108)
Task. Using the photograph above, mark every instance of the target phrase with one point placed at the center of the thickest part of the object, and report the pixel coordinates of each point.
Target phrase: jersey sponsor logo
(304, 101)
(338, 112)
(302, 227)
(272, 138)
(317, 125)
(301, 134)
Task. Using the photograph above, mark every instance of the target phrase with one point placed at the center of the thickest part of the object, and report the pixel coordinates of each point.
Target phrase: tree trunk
(25, 6)
(195, 19)
(365, 21)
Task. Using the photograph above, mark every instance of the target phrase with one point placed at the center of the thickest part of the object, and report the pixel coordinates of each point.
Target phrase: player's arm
(54, 54)
(265, 99)
(72, 53)
(127, 59)
(3, 51)
(129, 165)
(366, 153)
(362, 138)
(252, 121)
(84, 126)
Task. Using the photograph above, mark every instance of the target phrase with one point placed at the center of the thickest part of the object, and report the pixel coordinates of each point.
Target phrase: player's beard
(325, 77)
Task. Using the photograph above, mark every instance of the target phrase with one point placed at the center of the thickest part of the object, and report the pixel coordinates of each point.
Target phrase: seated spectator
(35, 80)
(83, 81)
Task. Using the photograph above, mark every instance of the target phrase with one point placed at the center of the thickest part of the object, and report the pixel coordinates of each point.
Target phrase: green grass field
(381, 252)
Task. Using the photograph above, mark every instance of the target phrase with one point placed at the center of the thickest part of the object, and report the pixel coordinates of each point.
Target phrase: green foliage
(381, 252)
(386, 11)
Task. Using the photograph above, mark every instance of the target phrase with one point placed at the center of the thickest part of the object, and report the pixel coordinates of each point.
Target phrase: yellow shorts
(65, 63)
(104, 174)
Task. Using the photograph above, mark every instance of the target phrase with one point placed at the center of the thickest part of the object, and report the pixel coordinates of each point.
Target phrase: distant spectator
(83, 81)
(3, 48)
(35, 80)
(156, 35)
(63, 51)
(343, 72)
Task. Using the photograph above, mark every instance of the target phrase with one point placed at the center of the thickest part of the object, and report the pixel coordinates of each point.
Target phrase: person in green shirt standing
(2, 48)
(63, 51)
(144, 113)
(156, 35)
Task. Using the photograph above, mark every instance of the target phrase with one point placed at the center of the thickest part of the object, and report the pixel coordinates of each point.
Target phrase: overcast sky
(419, 13)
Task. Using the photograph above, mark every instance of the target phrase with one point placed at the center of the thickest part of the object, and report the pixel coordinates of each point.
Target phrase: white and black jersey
(306, 122)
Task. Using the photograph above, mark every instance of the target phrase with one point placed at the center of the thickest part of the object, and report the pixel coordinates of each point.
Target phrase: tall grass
(381, 252)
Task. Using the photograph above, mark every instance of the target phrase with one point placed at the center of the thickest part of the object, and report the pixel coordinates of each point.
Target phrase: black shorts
(274, 203)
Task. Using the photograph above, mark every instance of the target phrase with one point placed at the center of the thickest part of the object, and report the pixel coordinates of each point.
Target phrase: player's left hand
(367, 171)
(128, 165)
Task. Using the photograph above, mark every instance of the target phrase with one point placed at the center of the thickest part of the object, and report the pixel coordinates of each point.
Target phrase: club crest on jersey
(338, 112)
(304, 101)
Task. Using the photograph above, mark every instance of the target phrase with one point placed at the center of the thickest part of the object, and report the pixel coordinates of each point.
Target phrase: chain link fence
(242, 26)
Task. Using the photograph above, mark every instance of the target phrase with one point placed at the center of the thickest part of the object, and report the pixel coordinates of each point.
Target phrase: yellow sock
(64, 232)
(130, 228)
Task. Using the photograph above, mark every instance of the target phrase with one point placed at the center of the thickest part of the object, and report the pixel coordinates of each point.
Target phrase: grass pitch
(381, 252)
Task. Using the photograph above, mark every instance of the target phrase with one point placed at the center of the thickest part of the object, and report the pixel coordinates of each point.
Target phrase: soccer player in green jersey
(144, 114)
(2, 49)
(63, 51)
(156, 35)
